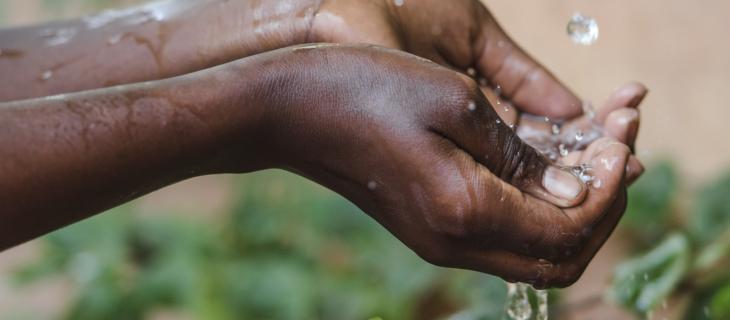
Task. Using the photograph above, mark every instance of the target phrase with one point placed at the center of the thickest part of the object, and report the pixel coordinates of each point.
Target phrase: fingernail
(636, 101)
(561, 184)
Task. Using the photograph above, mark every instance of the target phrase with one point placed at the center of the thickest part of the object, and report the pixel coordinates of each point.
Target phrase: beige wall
(679, 49)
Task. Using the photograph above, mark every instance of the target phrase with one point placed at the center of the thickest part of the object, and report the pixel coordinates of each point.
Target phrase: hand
(463, 35)
(459, 34)
(418, 148)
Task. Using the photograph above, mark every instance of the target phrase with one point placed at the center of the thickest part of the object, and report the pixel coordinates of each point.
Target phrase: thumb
(522, 166)
(478, 131)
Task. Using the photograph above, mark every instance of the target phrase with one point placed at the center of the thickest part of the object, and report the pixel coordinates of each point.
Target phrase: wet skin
(416, 145)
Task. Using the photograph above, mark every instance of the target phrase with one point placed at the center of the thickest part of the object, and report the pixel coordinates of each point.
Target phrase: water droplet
(512, 126)
(542, 305)
(588, 110)
(582, 29)
(398, 3)
(471, 72)
(498, 90)
(114, 39)
(499, 121)
(547, 119)
(597, 184)
(556, 129)
(55, 37)
(372, 185)
(471, 106)
(563, 150)
(518, 303)
(583, 172)
(506, 108)
(47, 75)
(579, 135)
(483, 82)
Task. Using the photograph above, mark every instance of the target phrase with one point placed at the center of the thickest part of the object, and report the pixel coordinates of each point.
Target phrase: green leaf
(720, 306)
(712, 213)
(641, 283)
(650, 200)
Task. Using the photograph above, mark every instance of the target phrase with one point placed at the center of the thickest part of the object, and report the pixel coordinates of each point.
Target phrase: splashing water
(555, 144)
(582, 29)
(518, 302)
(542, 305)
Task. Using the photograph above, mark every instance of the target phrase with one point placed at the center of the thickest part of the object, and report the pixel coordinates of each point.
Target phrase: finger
(530, 86)
(564, 274)
(634, 170)
(505, 218)
(607, 160)
(510, 266)
(627, 96)
(475, 128)
(623, 126)
(506, 112)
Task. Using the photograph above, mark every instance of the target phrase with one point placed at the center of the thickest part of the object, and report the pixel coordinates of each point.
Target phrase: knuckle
(520, 164)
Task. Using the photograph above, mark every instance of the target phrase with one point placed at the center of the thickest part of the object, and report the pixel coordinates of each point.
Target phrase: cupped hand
(459, 34)
(419, 148)
(464, 36)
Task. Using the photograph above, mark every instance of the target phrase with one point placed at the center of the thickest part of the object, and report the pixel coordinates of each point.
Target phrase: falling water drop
(518, 303)
(542, 305)
(582, 29)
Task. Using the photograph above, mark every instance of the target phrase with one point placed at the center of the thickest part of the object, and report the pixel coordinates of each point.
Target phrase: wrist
(224, 31)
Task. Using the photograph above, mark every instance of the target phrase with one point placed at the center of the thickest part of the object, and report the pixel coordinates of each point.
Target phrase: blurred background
(274, 246)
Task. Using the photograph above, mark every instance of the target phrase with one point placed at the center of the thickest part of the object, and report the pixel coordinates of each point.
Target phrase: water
(46, 75)
(471, 106)
(518, 302)
(560, 140)
(542, 305)
(582, 29)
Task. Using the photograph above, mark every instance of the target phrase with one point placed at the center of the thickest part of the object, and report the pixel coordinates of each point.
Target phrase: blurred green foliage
(287, 249)
(691, 263)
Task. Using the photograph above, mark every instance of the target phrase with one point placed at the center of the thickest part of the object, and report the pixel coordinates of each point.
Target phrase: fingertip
(623, 125)
(560, 187)
(634, 170)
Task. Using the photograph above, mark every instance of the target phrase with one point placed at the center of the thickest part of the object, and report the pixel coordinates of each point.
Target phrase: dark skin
(415, 145)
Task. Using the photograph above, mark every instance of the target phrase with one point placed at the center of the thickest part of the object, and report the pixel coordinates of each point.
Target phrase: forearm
(67, 157)
(159, 40)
